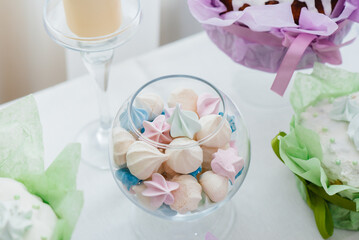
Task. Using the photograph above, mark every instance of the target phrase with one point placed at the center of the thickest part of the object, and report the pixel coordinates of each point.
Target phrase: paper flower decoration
(207, 104)
(227, 163)
(125, 176)
(184, 123)
(160, 190)
(158, 130)
(138, 115)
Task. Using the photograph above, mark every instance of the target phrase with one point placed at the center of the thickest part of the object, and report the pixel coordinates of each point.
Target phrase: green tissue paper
(22, 159)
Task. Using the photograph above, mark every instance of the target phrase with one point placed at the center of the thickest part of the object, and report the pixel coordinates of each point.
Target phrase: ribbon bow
(317, 199)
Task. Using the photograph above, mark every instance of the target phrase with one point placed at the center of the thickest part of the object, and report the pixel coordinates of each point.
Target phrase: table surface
(268, 203)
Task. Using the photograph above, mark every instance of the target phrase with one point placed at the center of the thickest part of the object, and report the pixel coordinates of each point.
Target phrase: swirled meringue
(138, 116)
(184, 96)
(214, 185)
(143, 159)
(227, 163)
(24, 204)
(150, 102)
(188, 195)
(158, 130)
(121, 142)
(160, 190)
(184, 160)
(209, 124)
(344, 109)
(207, 104)
(184, 123)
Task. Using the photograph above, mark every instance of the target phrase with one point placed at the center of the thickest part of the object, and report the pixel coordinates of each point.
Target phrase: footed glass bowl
(196, 223)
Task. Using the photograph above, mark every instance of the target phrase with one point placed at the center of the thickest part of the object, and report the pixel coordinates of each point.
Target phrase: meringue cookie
(214, 185)
(184, 96)
(184, 160)
(127, 179)
(167, 171)
(207, 104)
(158, 130)
(184, 123)
(143, 159)
(138, 116)
(231, 120)
(121, 142)
(227, 163)
(195, 173)
(14, 198)
(188, 195)
(209, 124)
(146, 201)
(169, 111)
(344, 109)
(205, 202)
(159, 190)
(207, 157)
(150, 102)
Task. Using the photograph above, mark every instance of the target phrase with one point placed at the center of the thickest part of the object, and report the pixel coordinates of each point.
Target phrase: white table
(268, 204)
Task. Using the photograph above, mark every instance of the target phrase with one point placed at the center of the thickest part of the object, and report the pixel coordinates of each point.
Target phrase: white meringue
(121, 142)
(207, 157)
(146, 201)
(144, 159)
(188, 195)
(150, 102)
(209, 124)
(215, 186)
(185, 160)
(15, 201)
(186, 97)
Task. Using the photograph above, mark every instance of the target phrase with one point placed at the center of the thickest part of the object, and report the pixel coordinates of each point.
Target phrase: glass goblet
(96, 43)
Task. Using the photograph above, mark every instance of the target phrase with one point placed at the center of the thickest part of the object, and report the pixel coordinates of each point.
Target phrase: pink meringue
(158, 130)
(207, 104)
(227, 163)
(159, 190)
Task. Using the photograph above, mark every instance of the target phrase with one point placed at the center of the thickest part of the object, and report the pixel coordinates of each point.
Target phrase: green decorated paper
(301, 150)
(22, 158)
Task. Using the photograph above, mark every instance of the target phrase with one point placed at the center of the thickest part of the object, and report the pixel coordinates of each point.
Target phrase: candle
(93, 18)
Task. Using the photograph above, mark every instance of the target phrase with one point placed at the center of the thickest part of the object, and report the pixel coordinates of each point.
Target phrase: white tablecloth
(268, 203)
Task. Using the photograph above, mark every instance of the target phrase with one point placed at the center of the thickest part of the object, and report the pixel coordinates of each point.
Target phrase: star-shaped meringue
(159, 190)
(169, 111)
(158, 130)
(227, 163)
(183, 123)
(207, 104)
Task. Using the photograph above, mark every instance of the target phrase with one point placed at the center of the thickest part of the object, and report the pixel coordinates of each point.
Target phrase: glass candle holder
(168, 223)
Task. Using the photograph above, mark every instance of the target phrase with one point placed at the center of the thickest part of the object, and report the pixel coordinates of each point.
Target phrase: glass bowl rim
(168, 146)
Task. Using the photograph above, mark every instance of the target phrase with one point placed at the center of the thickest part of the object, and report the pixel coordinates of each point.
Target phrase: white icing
(327, 6)
(340, 157)
(43, 218)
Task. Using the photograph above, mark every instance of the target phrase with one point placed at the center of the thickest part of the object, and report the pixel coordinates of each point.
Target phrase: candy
(188, 195)
(138, 116)
(184, 123)
(184, 160)
(195, 173)
(184, 96)
(150, 102)
(127, 179)
(214, 185)
(159, 190)
(207, 104)
(209, 124)
(143, 159)
(158, 130)
(227, 163)
(121, 142)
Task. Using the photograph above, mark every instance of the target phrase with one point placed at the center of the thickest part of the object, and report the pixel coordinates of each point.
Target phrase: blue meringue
(344, 109)
(195, 173)
(138, 116)
(127, 179)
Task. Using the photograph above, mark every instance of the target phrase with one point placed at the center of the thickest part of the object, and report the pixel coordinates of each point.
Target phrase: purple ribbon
(326, 50)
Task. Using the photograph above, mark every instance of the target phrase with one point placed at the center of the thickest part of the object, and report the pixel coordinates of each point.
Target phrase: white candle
(93, 18)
